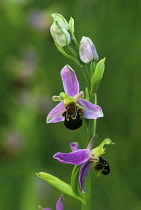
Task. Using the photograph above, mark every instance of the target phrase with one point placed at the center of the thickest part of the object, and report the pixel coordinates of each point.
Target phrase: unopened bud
(71, 25)
(87, 50)
(61, 20)
(60, 34)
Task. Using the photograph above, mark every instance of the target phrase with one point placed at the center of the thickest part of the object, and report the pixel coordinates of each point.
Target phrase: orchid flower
(88, 158)
(72, 107)
(59, 204)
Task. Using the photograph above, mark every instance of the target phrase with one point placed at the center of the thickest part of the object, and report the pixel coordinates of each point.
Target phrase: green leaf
(97, 76)
(59, 184)
(75, 181)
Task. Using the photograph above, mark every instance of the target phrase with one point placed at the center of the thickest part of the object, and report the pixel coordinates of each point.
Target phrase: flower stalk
(91, 132)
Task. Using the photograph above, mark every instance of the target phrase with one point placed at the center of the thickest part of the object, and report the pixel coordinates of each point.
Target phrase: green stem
(91, 132)
(86, 77)
(87, 206)
(92, 68)
(71, 51)
(95, 102)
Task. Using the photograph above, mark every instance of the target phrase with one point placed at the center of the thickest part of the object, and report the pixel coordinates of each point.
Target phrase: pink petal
(60, 203)
(84, 170)
(87, 50)
(74, 146)
(91, 111)
(55, 115)
(77, 157)
(70, 81)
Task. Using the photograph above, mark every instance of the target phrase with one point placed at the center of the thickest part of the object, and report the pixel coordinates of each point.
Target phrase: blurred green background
(30, 74)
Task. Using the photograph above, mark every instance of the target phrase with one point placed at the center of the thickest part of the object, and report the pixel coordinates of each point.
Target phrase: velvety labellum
(102, 166)
(73, 116)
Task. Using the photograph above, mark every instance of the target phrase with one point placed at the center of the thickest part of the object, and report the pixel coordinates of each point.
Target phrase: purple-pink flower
(87, 50)
(72, 106)
(88, 158)
(59, 204)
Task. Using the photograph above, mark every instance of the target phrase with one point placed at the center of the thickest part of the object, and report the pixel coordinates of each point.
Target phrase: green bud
(71, 24)
(60, 34)
(98, 74)
(61, 20)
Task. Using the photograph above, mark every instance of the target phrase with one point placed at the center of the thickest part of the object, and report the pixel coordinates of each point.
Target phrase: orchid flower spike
(72, 106)
(59, 204)
(88, 159)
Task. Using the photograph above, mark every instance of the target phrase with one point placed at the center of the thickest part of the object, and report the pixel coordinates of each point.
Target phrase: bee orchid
(72, 107)
(87, 159)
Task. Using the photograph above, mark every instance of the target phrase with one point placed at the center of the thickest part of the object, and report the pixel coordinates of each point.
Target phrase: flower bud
(60, 34)
(71, 25)
(87, 50)
(61, 20)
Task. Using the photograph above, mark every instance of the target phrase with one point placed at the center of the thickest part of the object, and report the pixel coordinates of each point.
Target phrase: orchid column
(74, 107)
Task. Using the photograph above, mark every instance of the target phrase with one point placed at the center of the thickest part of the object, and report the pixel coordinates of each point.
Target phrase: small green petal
(56, 98)
(100, 150)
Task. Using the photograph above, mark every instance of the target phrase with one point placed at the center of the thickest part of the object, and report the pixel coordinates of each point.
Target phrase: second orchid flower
(87, 158)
